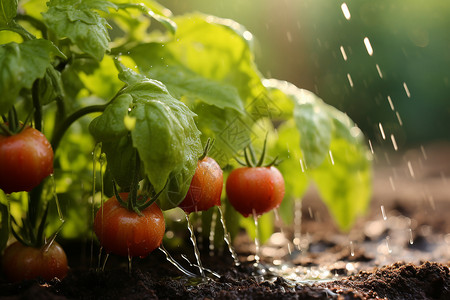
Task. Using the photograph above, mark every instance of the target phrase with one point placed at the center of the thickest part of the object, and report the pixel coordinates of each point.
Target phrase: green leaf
(344, 182)
(20, 65)
(286, 147)
(153, 9)
(165, 136)
(78, 21)
(182, 82)
(334, 151)
(8, 10)
(209, 47)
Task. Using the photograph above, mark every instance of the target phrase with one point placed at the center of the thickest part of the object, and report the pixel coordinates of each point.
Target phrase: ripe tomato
(255, 190)
(25, 159)
(124, 232)
(22, 262)
(206, 187)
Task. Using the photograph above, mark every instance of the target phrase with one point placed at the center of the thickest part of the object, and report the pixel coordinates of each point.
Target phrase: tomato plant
(124, 232)
(155, 101)
(20, 262)
(26, 159)
(206, 186)
(255, 190)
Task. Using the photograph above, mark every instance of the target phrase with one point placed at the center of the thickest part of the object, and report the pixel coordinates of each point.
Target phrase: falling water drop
(227, 238)
(174, 262)
(408, 94)
(194, 244)
(398, 118)
(331, 157)
(104, 262)
(382, 131)
(411, 240)
(345, 11)
(130, 261)
(212, 232)
(394, 143)
(371, 147)
(391, 104)
(391, 181)
(368, 46)
(410, 168)
(257, 241)
(383, 213)
(350, 81)
(379, 71)
(388, 245)
(423, 152)
(276, 212)
(344, 55)
(95, 153)
(352, 249)
(298, 224)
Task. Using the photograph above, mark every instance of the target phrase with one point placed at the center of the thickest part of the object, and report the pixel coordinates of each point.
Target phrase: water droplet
(411, 240)
(394, 143)
(370, 146)
(368, 46)
(350, 81)
(406, 90)
(383, 213)
(212, 232)
(379, 71)
(398, 118)
(257, 241)
(345, 11)
(344, 55)
(352, 249)
(410, 168)
(382, 131)
(391, 181)
(391, 104)
(423, 152)
(331, 157)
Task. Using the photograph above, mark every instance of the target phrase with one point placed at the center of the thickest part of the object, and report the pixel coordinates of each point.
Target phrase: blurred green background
(304, 41)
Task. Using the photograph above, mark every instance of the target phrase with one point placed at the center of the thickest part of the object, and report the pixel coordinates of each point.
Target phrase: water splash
(257, 239)
(194, 244)
(227, 238)
(174, 262)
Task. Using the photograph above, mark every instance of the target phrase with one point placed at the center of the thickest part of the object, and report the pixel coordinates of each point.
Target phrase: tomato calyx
(250, 157)
(11, 124)
(208, 146)
(137, 201)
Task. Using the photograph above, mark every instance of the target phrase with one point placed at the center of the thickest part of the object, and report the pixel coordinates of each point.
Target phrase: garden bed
(398, 252)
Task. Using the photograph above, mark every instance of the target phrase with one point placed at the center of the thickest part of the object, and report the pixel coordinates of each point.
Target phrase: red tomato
(255, 190)
(124, 232)
(22, 262)
(206, 187)
(25, 159)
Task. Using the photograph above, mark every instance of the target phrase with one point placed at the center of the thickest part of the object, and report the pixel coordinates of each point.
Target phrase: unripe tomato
(22, 262)
(255, 190)
(206, 187)
(26, 159)
(124, 232)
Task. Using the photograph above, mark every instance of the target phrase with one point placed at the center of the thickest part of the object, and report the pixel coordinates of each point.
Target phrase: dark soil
(405, 255)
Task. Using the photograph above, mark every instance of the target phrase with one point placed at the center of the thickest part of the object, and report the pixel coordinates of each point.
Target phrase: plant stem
(61, 129)
(37, 105)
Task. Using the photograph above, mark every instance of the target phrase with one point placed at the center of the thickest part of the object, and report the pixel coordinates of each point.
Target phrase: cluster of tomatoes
(27, 158)
(250, 190)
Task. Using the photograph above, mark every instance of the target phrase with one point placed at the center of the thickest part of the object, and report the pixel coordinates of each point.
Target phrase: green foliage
(20, 65)
(165, 136)
(8, 10)
(159, 94)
